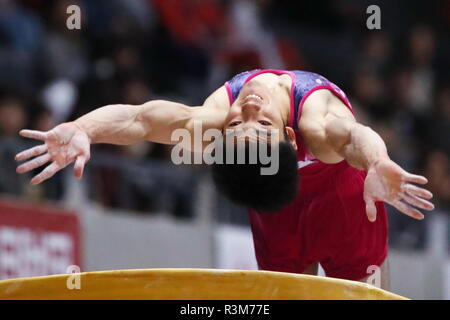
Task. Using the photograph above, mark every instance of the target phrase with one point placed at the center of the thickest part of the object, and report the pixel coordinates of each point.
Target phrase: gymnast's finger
(371, 209)
(415, 178)
(32, 152)
(417, 191)
(47, 173)
(408, 210)
(33, 134)
(79, 166)
(418, 202)
(33, 164)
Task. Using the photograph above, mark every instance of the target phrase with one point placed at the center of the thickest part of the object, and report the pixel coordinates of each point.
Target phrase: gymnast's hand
(64, 144)
(386, 181)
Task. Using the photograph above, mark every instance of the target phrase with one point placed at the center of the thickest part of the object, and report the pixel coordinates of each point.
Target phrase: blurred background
(134, 208)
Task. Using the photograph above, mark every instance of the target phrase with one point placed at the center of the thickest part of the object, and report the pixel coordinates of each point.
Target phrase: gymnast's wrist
(374, 163)
(82, 126)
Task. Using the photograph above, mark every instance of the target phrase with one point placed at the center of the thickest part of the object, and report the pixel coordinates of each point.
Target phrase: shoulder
(324, 116)
(212, 113)
(316, 104)
(218, 99)
(321, 106)
(322, 102)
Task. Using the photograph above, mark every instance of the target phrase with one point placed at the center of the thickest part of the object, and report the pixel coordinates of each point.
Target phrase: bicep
(210, 116)
(325, 126)
(162, 118)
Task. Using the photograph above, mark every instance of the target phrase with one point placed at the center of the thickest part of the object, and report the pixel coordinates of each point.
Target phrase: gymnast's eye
(264, 123)
(234, 123)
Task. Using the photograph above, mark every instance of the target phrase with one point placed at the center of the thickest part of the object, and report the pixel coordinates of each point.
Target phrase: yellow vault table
(189, 284)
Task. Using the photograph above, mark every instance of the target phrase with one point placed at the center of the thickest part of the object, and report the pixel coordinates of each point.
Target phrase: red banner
(37, 240)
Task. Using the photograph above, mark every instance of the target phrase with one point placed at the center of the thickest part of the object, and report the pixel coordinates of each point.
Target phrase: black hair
(245, 185)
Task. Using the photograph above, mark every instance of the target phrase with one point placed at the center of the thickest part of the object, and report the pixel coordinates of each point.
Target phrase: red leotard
(327, 221)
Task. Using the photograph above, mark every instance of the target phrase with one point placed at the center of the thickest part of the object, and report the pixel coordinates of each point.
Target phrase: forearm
(363, 147)
(115, 124)
(332, 134)
(128, 124)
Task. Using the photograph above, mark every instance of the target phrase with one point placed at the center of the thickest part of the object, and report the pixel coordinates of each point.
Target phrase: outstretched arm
(116, 124)
(332, 134)
(152, 121)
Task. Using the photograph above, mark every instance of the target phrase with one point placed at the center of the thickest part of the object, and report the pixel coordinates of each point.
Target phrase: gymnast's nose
(250, 110)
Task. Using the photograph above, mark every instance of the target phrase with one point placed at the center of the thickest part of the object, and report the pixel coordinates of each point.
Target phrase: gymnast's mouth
(253, 98)
(253, 95)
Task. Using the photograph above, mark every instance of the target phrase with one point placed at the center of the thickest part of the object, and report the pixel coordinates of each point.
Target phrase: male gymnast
(325, 203)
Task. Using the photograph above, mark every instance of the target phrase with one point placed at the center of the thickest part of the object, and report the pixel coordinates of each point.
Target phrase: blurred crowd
(132, 51)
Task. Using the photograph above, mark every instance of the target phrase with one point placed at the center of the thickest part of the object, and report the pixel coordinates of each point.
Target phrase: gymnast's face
(255, 111)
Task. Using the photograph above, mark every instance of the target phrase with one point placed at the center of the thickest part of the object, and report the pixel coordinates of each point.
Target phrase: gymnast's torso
(303, 85)
(326, 222)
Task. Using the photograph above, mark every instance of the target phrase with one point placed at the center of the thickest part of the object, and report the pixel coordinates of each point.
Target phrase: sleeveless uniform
(327, 221)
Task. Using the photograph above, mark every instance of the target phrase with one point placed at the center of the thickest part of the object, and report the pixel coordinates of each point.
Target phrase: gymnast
(325, 203)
